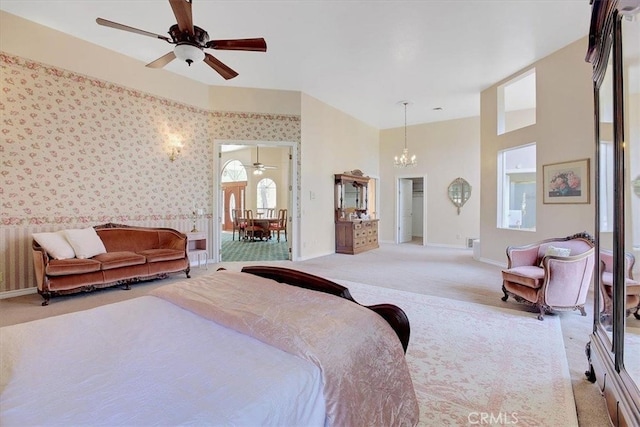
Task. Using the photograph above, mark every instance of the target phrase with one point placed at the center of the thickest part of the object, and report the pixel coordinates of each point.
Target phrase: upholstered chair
(632, 300)
(552, 275)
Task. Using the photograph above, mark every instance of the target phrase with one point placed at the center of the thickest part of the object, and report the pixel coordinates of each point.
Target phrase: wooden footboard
(394, 315)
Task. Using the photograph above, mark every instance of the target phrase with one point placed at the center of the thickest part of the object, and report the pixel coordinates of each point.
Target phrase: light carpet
(470, 362)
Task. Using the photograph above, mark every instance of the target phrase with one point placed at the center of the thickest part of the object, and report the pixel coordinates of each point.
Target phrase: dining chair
(271, 213)
(238, 224)
(280, 224)
(251, 229)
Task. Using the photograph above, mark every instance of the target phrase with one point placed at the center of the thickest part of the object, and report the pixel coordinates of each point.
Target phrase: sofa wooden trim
(138, 262)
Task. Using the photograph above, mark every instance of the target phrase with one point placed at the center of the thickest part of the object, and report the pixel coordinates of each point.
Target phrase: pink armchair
(554, 274)
(632, 303)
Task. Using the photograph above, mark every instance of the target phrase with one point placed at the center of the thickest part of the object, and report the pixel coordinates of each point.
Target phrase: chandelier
(405, 160)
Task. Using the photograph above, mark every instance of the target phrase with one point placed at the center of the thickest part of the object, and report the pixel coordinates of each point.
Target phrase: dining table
(264, 224)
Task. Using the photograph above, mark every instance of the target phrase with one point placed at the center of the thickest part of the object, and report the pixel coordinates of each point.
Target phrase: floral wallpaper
(82, 148)
(75, 149)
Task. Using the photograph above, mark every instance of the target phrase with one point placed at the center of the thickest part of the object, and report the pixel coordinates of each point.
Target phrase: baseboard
(493, 262)
(18, 293)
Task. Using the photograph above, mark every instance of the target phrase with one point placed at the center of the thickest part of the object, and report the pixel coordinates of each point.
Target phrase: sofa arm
(40, 262)
(172, 239)
(518, 256)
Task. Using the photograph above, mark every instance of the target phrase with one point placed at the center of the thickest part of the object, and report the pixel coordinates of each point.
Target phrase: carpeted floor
(441, 272)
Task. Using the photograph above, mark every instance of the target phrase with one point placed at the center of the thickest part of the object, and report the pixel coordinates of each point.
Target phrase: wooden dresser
(353, 237)
(356, 231)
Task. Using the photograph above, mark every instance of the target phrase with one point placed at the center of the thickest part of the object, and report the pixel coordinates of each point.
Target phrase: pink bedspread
(366, 378)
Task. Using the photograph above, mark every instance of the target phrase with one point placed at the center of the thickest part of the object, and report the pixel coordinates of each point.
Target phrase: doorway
(411, 212)
(279, 168)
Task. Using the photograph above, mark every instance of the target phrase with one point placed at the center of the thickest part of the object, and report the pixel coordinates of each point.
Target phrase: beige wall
(563, 132)
(446, 150)
(333, 142)
(33, 41)
(227, 98)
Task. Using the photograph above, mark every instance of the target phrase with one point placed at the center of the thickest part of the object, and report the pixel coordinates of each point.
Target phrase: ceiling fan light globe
(188, 53)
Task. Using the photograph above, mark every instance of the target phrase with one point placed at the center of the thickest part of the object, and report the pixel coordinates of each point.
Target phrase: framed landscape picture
(566, 182)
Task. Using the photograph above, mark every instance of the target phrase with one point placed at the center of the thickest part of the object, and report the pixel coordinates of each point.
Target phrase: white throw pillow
(55, 244)
(553, 251)
(85, 242)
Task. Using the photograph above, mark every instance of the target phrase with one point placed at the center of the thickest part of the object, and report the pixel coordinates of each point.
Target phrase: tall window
(517, 188)
(517, 102)
(234, 171)
(266, 197)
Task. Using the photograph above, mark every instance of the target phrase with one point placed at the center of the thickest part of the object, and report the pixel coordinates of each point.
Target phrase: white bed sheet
(146, 361)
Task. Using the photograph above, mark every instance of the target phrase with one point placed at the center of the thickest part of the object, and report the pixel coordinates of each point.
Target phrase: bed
(230, 348)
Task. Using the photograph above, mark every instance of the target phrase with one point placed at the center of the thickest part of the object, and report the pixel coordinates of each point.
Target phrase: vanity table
(355, 231)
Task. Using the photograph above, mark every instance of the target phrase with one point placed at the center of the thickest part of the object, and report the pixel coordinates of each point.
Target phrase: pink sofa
(132, 254)
(537, 277)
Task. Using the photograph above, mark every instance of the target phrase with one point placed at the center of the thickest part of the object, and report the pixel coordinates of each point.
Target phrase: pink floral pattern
(81, 150)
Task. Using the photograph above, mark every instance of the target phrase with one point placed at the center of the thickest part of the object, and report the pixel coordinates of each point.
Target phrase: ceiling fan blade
(123, 27)
(222, 69)
(162, 61)
(182, 11)
(254, 45)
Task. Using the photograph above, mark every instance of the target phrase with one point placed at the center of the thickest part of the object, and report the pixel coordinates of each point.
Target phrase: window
(234, 171)
(517, 103)
(517, 188)
(266, 196)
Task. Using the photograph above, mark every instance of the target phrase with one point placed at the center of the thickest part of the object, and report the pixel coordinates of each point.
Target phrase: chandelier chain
(405, 160)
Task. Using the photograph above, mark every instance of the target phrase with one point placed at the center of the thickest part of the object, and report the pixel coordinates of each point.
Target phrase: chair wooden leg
(506, 295)
(542, 311)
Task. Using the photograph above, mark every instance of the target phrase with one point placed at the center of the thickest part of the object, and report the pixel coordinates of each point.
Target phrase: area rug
(478, 365)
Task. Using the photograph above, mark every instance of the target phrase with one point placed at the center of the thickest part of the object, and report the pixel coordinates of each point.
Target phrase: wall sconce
(176, 147)
(175, 153)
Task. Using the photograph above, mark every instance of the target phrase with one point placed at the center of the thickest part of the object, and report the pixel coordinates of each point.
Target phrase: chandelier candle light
(405, 160)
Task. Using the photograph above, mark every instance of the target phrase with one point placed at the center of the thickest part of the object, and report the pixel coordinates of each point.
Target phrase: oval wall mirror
(459, 192)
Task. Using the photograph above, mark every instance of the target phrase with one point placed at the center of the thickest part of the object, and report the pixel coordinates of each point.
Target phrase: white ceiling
(361, 57)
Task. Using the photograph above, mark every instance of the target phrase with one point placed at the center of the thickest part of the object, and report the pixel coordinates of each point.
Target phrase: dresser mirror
(459, 192)
(614, 348)
(351, 195)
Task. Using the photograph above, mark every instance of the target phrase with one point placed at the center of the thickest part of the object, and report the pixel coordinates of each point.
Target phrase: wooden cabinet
(353, 237)
(356, 231)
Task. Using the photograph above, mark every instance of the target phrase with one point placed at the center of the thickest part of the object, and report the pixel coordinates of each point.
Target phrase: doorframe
(293, 204)
(396, 222)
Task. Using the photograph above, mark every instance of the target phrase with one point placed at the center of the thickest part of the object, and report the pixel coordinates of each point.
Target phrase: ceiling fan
(191, 41)
(258, 168)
